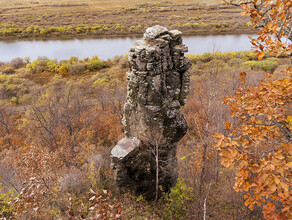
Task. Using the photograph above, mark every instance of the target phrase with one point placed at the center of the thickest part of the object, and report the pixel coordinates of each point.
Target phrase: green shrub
(52, 65)
(96, 64)
(61, 29)
(38, 65)
(175, 200)
(193, 18)
(195, 24)
(80, 30)
(194, 58)
(248, 55)
(100, 81)
(217, 25)
(206, 57)
(97, 27)
(73, 60)
(29, 30)
(203, 24)
(44, 31)
(53, 29)
(139, 26)
(235, 62)
(5, 205)
(70, 29)
(14, 100)
(268, 65)
(187, 25)
(225, 25)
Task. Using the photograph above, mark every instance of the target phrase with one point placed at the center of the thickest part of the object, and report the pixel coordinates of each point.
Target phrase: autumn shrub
(63, 71)
(124, 61)
(8, 70)
(76, 68)
(17, 62)
(74, 182)
(13, 86)
(14, 100)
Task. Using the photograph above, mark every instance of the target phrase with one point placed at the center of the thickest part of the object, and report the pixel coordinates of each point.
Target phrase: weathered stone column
(158, 84)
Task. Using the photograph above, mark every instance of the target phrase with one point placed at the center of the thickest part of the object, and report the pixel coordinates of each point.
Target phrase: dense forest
(59, 120)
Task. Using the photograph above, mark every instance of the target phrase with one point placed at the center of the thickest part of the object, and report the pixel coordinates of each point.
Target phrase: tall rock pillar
(158, 84)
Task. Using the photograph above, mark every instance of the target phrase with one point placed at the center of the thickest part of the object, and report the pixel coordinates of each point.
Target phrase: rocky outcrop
(158, 84)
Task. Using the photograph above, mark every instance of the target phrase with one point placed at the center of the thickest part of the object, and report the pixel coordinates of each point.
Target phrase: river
(109, 47)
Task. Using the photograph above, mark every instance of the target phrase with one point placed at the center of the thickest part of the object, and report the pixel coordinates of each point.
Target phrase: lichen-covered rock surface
(158, 84)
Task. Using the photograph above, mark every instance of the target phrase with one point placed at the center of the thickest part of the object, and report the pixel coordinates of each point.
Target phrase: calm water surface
(106, 48)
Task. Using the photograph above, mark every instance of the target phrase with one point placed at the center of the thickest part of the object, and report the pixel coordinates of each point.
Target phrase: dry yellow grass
(41, 6)
(57, 19)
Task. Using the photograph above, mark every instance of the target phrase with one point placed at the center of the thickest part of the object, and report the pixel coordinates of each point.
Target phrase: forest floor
(92, 18)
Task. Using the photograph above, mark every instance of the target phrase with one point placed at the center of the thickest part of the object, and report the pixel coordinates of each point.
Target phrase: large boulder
(158, 84)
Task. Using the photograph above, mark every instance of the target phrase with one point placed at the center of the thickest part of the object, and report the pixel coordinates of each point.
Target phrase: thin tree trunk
(203, 168)
(217, 166)
(157, 174)
(205, 201)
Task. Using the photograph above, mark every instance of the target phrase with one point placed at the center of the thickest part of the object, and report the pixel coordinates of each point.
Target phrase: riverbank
(137, 35)
(109, 47)
(195, 19)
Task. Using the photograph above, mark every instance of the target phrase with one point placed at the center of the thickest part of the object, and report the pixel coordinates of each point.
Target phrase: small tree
(153, 139)
(258, 142)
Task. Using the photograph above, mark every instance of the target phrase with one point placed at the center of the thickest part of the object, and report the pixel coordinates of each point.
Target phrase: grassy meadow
(59, 19)
(56, 5)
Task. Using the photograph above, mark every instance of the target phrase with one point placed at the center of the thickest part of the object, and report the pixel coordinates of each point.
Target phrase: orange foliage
(274, 19)
(258, 142)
